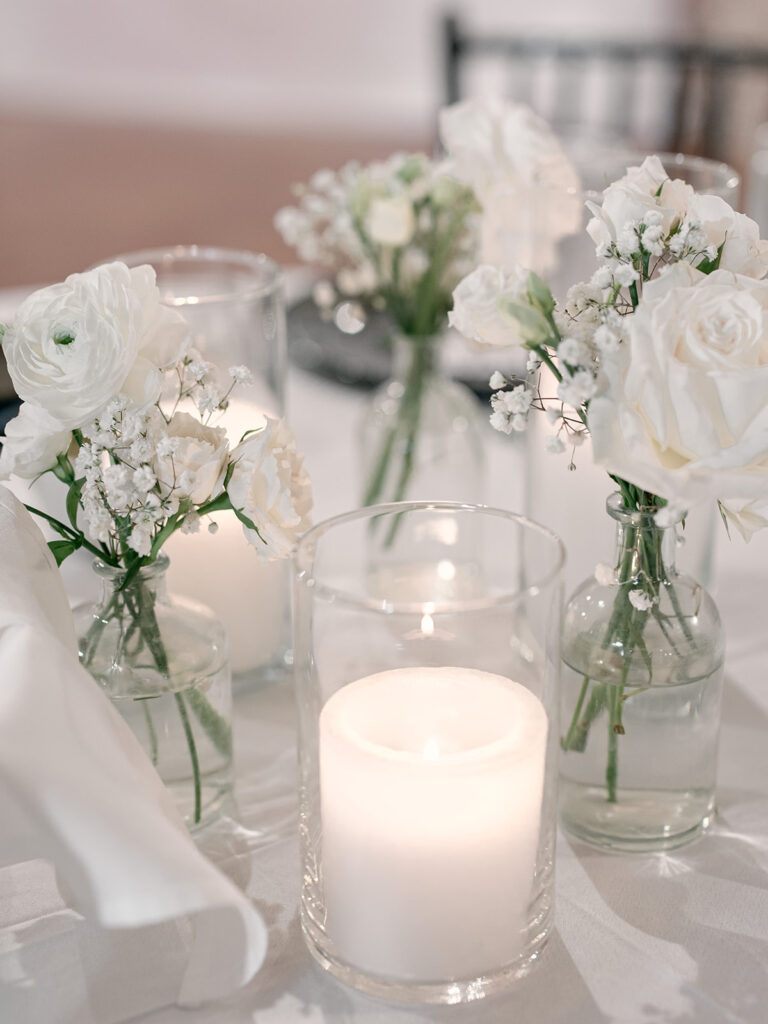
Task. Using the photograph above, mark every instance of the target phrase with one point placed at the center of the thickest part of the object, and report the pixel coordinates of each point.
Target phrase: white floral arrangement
(660, 358)
(661, 361)
(121, 409)
(399, 234)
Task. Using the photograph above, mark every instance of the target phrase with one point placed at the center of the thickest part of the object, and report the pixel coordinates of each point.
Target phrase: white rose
(478, 303)
(195, 464)
(74, 346)
(744, 251)
(685, 413)
(632, 197)
(390, 221)
(32, 443)
(270, 486)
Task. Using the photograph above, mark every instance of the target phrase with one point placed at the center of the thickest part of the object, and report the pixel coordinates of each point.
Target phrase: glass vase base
(640, 821)
(441, 993)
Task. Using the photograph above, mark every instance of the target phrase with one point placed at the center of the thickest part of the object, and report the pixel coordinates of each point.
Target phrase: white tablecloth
(679, 937)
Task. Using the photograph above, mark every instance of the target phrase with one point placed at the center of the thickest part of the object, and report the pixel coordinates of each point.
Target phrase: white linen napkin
(77, 789)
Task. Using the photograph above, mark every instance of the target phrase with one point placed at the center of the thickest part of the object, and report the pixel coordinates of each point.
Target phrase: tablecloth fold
(77, 789)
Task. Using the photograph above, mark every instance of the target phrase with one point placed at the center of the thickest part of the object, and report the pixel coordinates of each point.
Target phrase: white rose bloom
(32, 443)
(685, 413)
(634, 198)
(74, 346)
(270, 486)
(527, 187)
(744, 251)
(196, 465)
(477, 306)
(390, 221)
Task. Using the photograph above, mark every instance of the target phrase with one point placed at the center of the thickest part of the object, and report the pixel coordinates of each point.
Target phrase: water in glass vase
(660, 791)
(642, 678)
(164, 663)
(175, 726)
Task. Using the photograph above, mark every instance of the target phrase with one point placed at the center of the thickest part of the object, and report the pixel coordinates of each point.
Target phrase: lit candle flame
(427, 625)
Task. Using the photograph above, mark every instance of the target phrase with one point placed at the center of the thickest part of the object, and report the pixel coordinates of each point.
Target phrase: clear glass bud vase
(164, 663)
(421, 436)
(642, 679)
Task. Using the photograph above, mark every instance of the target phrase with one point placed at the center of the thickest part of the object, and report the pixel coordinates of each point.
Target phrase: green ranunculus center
(63, 337)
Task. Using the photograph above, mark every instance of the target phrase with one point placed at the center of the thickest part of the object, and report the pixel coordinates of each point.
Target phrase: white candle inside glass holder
(223, 571)
(431, 783)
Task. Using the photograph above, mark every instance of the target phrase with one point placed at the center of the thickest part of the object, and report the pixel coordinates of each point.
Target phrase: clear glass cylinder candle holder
(233, 302)
(427, 686)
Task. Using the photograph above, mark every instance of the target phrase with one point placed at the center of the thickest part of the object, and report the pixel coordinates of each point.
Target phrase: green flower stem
(640, 557)
(192, 753)
(404, 429)
(151, 733)
(72, 535)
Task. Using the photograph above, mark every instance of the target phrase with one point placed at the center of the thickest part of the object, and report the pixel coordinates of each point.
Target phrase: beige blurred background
(166, 121)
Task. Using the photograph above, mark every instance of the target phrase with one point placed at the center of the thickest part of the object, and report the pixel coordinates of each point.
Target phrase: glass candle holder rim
(270, 274)
(671, 160)
(303, 560)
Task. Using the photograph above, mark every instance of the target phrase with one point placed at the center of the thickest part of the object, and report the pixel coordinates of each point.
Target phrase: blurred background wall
(162, 121)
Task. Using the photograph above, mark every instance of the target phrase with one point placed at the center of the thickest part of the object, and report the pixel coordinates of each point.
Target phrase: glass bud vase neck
(642, 652)
(164, 663)
(421, 436)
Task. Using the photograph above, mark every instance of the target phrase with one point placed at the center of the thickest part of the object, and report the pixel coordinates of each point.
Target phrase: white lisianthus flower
(526, 186)
(390, 221)
(270, 486)
(685, 412)
(32, 443)
(193, 467)
(478, 303)
(747, 516)
(75, 345)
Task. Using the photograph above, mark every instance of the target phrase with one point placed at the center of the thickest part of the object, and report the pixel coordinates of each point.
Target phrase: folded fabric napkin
(77, 789)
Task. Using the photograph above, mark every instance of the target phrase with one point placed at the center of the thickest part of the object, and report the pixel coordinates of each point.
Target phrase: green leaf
(73, 500)
(707, 266)
(61, 549)
(248, 522)
(539, 293)
(533, 325)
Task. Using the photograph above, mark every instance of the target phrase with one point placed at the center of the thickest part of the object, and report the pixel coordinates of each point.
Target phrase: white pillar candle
(223, 571)
(431, 784)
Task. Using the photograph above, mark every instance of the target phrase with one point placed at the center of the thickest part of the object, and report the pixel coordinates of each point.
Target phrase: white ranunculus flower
(390, 221)
(32, 443)
(75, 345)
(630, 198)
(193, 466)
(527, 187)
(685, 412)
(271, 487)
(478, 306)
(744, 251)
